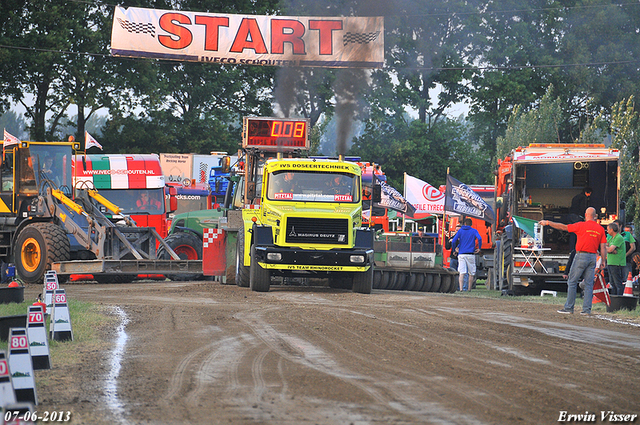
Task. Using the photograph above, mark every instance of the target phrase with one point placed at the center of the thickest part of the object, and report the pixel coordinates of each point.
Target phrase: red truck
(126, 180)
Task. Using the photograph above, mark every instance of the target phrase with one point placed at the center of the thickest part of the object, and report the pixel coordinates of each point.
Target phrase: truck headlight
(274, 256)
(357, 258)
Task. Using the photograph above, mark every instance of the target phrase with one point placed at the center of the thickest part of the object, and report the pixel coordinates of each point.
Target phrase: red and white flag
(425, 198)
(90, 142)
(9, 140)
(600, 291)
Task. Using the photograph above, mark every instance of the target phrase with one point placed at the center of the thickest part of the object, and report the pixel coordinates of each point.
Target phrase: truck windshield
(52, 162)
(136, 201)
(313, 187)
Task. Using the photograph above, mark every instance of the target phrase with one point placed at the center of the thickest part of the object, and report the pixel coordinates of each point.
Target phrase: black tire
(386, 277)
(188, 247)
(507, 251)
(401, 283)
(363, 282)
(37, 246)
(437, 282)
(411, 282)
(393, 281)
(259, 278)
(428, 282)
(446, 283)
(420, 277)
(242, 271)
(454, 282)
(377, 279)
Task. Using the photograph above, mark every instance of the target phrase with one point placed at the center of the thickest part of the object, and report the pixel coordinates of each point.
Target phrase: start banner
(335, 42)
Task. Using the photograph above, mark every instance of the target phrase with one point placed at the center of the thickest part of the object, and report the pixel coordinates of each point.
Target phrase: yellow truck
(301, 217)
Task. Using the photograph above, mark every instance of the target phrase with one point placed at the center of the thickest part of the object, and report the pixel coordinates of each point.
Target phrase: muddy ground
(203, 353)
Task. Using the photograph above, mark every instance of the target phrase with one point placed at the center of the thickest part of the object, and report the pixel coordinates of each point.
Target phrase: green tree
(14, 124)
(422, 151)
(625, 135)
(538, 125)
(36, 30)
(522, 47)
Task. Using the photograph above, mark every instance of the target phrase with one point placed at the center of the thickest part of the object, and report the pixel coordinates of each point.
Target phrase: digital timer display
(275, 133)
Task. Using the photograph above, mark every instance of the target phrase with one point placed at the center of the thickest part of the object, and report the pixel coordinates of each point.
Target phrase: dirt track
(202, 353)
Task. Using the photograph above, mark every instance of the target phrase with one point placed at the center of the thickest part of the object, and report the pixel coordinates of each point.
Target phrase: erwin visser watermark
(604, 416)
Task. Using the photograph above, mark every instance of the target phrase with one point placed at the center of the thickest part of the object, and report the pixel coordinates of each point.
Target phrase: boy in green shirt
(616, 259)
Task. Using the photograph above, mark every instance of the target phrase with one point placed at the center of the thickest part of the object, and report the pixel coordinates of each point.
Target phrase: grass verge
(481, 291)
(88, 322)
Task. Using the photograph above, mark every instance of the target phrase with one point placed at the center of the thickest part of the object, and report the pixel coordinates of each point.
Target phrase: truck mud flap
(128, 266)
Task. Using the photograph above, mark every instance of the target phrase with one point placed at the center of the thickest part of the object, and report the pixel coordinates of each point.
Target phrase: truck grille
(333, 231)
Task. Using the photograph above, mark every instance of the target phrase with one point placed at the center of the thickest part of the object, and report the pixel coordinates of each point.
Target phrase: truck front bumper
(293, 259)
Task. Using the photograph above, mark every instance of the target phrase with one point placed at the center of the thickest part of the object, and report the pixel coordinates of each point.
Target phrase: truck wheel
(446, 283)
(242, 271)
(259, 278)
(363, 282)
(384, 284)
(411, 282)
(401, 282)
(420, 277)
(454, 282)
(188, 247)
(377, 279)
(428, 282)
(437, 282)
(36, 247)
(393, 281)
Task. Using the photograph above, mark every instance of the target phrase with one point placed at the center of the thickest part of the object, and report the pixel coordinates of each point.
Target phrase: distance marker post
(50, 285)
(60, 318)
(22, 375)
(38, 342)
(7, 394)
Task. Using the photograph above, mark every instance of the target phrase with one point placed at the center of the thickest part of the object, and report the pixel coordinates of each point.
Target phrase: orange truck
(538, 182)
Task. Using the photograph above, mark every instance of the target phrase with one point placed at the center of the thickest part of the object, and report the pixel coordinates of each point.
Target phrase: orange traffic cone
(628, 287)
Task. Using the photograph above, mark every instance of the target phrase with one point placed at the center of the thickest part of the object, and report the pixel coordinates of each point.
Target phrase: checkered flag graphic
(360, 38)
(209, 235)
(144, 28)
(203, 172)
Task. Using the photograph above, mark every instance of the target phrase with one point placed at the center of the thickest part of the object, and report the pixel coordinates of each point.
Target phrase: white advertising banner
(426, 198)
(335, 42)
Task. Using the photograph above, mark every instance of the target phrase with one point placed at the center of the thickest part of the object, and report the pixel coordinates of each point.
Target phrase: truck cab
(539, 182)
(301, 217)
(134, 182)
(307, 223)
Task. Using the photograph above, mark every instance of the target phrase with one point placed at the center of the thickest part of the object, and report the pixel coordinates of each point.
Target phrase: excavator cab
(28, 167)
(49, 164)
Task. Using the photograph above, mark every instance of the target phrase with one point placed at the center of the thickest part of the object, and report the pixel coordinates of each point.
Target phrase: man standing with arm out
(466, 239)
(590, 238)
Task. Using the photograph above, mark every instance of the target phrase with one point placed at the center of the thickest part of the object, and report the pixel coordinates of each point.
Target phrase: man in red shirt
(591, 238)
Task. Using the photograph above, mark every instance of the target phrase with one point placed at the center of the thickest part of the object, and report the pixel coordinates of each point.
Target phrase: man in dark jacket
(469, 241)
(581, 202)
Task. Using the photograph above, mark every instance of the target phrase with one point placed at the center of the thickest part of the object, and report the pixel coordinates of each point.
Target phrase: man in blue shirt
(469, 242)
